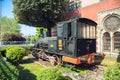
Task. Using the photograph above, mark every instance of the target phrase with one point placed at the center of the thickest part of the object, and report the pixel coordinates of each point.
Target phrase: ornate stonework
(104, 15)
(112, 23)
(108, 21)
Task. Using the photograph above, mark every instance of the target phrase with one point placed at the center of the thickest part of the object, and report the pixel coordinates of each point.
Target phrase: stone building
(107, 15)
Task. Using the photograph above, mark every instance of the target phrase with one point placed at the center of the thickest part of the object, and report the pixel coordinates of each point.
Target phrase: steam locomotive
(74, 43)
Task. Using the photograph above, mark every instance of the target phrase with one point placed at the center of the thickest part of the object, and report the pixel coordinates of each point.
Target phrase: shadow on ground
(25, 74)
(29, 60)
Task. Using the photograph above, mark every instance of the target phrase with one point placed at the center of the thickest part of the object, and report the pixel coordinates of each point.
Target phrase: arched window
(106, 41)
(116, 39)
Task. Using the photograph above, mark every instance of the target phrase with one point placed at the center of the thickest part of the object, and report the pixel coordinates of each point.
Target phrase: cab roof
(87, 21)
(79, 19)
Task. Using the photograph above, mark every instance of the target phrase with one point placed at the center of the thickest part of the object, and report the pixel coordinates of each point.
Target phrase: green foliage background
(8, 26)
(38, 33)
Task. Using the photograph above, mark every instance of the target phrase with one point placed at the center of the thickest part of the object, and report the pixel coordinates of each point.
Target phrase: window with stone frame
(106, 41)
(116, 40)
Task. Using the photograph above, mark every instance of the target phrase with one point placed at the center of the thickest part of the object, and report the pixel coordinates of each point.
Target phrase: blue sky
(7, 10)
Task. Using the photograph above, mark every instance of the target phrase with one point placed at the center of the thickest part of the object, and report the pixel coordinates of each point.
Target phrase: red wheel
(54, 60)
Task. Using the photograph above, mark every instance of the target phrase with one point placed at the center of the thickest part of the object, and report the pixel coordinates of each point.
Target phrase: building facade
(107, 15)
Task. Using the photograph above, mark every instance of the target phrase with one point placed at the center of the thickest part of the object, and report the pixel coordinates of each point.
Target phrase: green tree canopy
(39, 12)
(38, 32)
(9, 26)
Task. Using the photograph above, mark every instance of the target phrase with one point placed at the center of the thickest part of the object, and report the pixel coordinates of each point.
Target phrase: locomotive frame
(75, 43)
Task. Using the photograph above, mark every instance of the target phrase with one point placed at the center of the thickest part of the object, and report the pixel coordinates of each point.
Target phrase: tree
(38, 33)
(39, 12)
(9, 26)
(13, 37)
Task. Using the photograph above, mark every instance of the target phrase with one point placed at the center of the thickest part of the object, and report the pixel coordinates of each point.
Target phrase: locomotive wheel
(55, 60)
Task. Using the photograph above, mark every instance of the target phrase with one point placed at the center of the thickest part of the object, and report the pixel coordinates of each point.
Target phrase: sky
(7, 10)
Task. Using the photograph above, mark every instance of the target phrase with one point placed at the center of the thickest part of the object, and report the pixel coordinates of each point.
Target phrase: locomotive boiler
(74, 43)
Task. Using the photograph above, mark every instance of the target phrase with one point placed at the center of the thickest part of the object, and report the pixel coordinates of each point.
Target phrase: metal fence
(16, 42)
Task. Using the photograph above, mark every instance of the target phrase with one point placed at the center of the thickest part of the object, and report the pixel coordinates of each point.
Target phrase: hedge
(7, 70)
(15, 53)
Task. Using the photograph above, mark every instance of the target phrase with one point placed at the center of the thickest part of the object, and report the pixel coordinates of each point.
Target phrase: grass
(112, 69)
(32, 67)
(29, 70)
(109, 62)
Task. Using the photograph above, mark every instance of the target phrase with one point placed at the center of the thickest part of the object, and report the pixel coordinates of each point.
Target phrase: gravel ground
(94, 73)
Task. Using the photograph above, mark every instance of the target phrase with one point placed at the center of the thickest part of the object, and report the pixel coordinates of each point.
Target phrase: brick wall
(92, 10)
(85, 3)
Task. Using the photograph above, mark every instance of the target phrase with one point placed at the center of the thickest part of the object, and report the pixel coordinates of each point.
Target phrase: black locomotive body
(75, 43)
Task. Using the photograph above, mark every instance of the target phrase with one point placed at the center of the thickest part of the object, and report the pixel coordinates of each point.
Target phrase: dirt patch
(95, 74)
(38, 61)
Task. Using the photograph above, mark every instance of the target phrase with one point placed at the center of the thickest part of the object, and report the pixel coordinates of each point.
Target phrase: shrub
(113, 73)
(7, 71)
(15, 53)
(51, 74)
